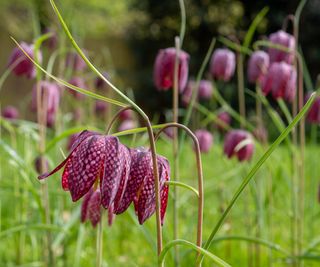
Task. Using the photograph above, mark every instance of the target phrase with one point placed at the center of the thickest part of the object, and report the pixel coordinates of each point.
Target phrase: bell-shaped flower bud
(163, 73)
(258, 66)
(223, 120)
(239, 143)
(205, 139)
(10, 113)
(21, 64)
(280, 81)
(285, 39)
(222, 65)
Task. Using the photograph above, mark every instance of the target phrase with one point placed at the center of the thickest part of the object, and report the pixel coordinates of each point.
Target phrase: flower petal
(94, 208)
(84, 206)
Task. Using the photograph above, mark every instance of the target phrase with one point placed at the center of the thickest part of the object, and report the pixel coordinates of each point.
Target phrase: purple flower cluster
(111, 175)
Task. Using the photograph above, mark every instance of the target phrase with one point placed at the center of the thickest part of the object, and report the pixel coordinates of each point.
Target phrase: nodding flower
(222, 64)
(100, 107)
(101, 162)
(239, 143)
(21, 64)
(284, 39)
(127, 125)
(75, 62)
(141, 189)
(10, 113)
(314, 112)
(205, 139)
(224, 120)
(163, 72)
(205, 91)
(100, 83)
(50, 99)
(258, 66)
(280, 81)
(91, 207)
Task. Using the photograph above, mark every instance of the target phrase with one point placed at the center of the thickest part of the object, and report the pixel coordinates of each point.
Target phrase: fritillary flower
(222, 64)
(224, 120)
(285, 39)
(127, 125)
(258, 66)
(10, 113)
(205, 139)
(314, 112)
(91, 207)
(75, 62)
(79, 82)
(239, 143)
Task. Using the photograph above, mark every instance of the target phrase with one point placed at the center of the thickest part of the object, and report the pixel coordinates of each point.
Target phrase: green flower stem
(255, 168)
(100, 242)
(241, 97)
(200, 174)
(183, 185)
(188, 244)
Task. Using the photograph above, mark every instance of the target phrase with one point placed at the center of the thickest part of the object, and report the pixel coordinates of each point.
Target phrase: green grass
(126, 243)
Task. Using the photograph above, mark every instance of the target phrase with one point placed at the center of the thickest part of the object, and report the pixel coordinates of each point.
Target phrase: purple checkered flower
(285, 39)
(163, 73)
(205, 139)
(22, 64)
(91, 207)
(258, 66)
(224, 120)
(239, 143)
(222, 64)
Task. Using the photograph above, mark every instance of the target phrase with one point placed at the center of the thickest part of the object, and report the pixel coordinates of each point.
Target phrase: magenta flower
(224, 120)
(140, 188)
(163, 72)
(205, 139)
(280, 81)
(99, 83)
(100, 107)
(127, 125)
(258, 66)
(50, 98)
(91, 207)
(75, 62)
(94, 158)
(222, 65)
(286, 40)
(205, 91)
(22, 64)
(52, 41)
(314, 112)
(239, 143)
(10, 113)
(79, 82)
(126, 115)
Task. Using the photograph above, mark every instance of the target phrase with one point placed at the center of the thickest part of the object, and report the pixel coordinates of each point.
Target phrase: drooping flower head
(224, 120)
(205, 91)
(285, 39)
(10, 113)
(140, 188)
(75, 61)
(163, 73)
(239, 143)
(205, 139)
(22, 64)
(258, 66)
(126, 115)
(50, 98)
(91, 207)
(79, 82)
(314, 112)
(280, 81)
(52, 41)
(100, 107)
(222, 64)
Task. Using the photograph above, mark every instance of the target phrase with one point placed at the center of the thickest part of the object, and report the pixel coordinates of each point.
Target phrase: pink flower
(52, 41)
(126, 115)
(23, 65)
(280, 81)
(75, 62)
(258, 66)
(79, 82)
(10, 113)
(127, 125)
(140, 188)
(50, 98)
(239, 143)
(163, 73)
(205, 91)
(222, 65)
(100, 107)
(314, 112)
(286, 40)
(205, 139)
(224, 120)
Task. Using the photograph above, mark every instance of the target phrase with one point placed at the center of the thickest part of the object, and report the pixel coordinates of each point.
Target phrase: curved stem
(200, 175)
(115, 117)
(186, 186)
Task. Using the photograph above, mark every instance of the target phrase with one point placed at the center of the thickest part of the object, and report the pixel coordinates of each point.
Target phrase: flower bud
(258, 66)
(224, 120)
(280, 81)
(100, 107)
(222, 65)
(205, 139)
(286, 40)
(10, 113)
(314, 112)
(205, 91)
(163, 73)
(239, 143)
(22, 64)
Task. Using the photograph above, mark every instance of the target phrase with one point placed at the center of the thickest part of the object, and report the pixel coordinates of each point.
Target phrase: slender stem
(175, 147)
(115, 117)
(241, 97)
(200, 175)
(100, 241)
